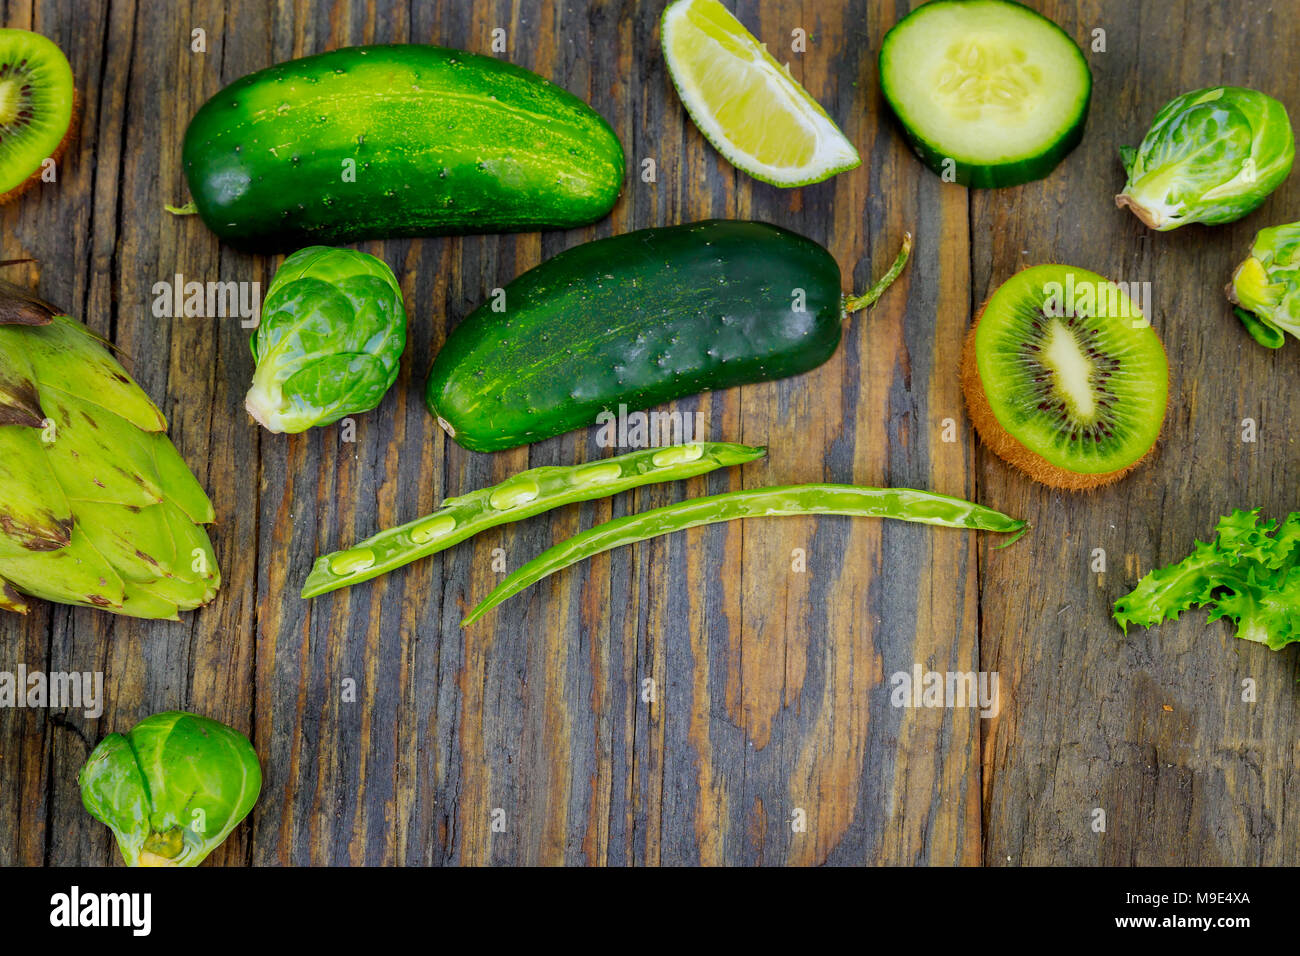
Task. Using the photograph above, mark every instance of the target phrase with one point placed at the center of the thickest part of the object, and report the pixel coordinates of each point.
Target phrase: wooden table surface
(527, 738)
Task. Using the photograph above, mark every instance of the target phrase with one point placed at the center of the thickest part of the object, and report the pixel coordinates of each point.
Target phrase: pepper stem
(856, 303)
(189, 209)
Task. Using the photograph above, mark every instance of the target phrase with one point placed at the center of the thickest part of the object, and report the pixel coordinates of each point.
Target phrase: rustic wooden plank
(198, 664)
(771, 686)
(720, 765)
(540, 714)
(321, 669)
(28, 738)
(1150, 727)
(78, 279)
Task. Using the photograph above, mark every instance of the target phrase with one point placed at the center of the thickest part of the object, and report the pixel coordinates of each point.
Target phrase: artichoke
(97, 508)
(1210, 156)
(330, 339)
(172, 788)
(1267, 285)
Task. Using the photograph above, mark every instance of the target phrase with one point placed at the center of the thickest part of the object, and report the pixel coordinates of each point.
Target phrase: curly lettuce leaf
(1241, 537)
(1249, 575)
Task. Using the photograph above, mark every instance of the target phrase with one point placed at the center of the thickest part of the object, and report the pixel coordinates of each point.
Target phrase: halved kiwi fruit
(1065, 378)
(36, 106)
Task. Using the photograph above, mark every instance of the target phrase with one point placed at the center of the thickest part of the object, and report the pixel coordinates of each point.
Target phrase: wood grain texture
(529, 738)
(1150, 728)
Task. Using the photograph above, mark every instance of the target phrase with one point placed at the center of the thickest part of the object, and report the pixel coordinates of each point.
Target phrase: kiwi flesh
(37, 102)
(1069, 386)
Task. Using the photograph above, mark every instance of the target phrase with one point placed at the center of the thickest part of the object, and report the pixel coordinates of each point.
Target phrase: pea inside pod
(434, 526)
(514, 494)
(904, 504)
(521, 496)
(597, 474)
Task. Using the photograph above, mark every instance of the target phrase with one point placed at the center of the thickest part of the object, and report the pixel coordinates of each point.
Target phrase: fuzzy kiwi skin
(56, 155)
(1002, 444)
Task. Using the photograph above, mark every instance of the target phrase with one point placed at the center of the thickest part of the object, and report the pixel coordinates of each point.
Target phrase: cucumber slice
(989, 92)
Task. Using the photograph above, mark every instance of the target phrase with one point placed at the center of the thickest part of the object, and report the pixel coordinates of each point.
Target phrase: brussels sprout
(332, 334)
(1210, 156)
(171, 789)
(1267, 285)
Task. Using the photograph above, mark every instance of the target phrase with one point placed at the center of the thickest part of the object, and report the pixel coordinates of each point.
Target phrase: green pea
(434, 526)
(350, 562)
(518, 492)
(597, 474)
(677, 454)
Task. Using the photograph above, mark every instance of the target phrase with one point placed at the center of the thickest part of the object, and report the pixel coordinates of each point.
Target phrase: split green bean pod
(905, 504)
(521, 496)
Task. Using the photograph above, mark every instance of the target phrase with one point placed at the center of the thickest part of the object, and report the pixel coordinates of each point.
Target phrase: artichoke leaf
(20, 307)
(183, 489)
(138, 600)
(97, 508)
(190, 581)
(165, 560)
(97, 455)
(195, 563)
(11, 600)
(34, 513)
(137, 543)
(75, 574)
(19, 402)
(65, 355)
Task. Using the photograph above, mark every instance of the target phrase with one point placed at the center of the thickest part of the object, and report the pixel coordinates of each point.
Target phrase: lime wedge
(745, 103)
